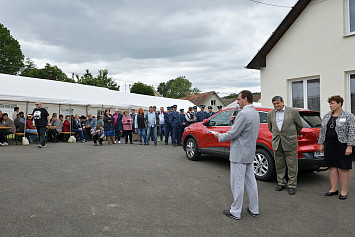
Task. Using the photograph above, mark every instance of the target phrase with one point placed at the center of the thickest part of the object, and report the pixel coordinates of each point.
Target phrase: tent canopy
(17, 88)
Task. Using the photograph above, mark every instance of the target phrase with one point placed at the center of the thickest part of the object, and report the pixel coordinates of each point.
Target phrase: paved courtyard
(131, 190)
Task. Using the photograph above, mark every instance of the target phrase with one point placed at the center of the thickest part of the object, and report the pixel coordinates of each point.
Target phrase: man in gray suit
(285, 123)
(243, 135)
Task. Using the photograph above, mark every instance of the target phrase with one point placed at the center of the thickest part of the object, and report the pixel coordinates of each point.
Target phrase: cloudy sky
(152, 41)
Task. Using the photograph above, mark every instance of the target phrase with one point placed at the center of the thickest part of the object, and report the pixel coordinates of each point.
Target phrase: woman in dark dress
(109, 127)
(336, 139)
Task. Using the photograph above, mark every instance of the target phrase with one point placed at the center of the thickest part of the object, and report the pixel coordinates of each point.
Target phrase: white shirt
(280, 115)
(161, 118)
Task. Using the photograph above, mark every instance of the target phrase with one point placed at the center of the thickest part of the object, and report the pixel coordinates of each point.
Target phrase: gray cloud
(209, 42)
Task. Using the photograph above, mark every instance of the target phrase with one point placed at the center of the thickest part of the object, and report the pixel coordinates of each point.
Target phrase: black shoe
(155, 144)
(179, 144)
(174, 145)
(166, 143)
(332, 193)
(254, 215)
(227, 213)
(341, 197)
(131, 143)
(291, 191)
(280, 187)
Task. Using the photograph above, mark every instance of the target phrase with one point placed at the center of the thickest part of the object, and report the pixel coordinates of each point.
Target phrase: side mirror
(205, 122)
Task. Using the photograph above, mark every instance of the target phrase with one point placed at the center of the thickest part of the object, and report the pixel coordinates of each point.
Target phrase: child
(98, 135)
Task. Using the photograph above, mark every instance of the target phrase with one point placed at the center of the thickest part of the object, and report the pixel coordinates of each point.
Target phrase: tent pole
(59, 111)
(24, 129)
(70, 120)
(87, 110)
(102, 110)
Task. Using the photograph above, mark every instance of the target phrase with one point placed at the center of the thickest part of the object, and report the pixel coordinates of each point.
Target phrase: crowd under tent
(72, 98)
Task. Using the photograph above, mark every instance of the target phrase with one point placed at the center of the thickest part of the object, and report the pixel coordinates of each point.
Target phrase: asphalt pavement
(132, 190)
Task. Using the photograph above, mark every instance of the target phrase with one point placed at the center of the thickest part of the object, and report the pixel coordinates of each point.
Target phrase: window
(351, 16)
(352, 93)
(263, 117)
(306, 94)
(221, 119)
(213, 102)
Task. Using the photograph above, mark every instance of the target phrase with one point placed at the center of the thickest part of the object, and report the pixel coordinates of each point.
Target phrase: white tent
(22, 89)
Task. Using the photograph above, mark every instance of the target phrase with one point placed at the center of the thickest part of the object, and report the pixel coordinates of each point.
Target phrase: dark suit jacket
(291, 126)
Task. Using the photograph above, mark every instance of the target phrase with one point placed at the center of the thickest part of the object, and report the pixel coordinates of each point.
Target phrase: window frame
(349, 90)
(305, 92)
(347, 19)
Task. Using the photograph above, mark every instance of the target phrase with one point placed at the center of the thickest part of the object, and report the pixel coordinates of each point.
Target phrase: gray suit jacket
(243, 135)
(291, 126)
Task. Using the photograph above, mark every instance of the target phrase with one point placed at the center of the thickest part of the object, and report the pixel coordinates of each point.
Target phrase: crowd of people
(144, 126)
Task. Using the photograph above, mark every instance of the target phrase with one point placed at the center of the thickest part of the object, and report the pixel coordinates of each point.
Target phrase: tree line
(13, 62)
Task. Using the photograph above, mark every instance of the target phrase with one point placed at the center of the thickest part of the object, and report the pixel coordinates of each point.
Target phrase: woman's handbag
(136, 137)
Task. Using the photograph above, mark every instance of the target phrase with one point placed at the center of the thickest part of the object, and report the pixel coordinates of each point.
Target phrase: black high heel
(328, 194)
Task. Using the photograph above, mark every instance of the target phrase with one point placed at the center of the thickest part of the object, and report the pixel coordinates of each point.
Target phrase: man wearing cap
(183, 124)
(174, 118)
(210, 113)
(219, 107)
(167, 125)
(195, 110)
(201, 115)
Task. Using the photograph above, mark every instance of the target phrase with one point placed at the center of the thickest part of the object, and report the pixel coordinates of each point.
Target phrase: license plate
(318, 154)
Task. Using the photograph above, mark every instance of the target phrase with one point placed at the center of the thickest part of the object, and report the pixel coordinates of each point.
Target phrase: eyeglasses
(36, 104)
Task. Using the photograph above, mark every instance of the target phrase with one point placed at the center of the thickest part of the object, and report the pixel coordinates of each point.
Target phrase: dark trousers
(3, 138)
(52, 134)
(42, 135)
(167, 132)
(128, 133)
(97, 138)
(180, 132)
(174, 134)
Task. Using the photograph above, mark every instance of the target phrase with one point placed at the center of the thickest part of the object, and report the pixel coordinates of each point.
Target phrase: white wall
(315, 45)
(214, 107)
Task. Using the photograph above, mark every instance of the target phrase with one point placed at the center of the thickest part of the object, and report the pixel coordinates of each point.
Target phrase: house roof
(228, 101)
(259, 60)
(199, 99)
(256, 98)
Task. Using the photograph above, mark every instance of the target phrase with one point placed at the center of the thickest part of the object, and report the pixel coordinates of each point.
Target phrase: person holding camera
(98, 134)
(127, 122)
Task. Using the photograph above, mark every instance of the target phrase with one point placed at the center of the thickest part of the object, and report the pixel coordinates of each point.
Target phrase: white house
(310, 56)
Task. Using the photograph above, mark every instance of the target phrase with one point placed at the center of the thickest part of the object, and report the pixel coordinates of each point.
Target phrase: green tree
(176, 88)
(11, 57)
(141, 88)
(101, 80)
(230, 96)
(48, 72)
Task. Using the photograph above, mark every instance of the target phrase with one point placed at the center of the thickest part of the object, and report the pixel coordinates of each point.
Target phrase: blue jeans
(150, 130)
(32, 136)
(118, 134)
(141, 131)
(82, 133)
(161, 129)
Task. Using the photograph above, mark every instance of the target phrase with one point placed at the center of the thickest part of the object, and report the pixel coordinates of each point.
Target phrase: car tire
(191, 149)
(264, 165)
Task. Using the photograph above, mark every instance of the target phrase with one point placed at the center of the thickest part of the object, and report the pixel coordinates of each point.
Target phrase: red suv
(196, 140)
